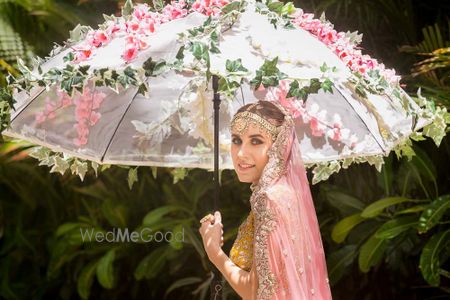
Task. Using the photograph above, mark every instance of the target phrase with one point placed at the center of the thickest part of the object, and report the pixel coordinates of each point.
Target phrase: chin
(245, 179)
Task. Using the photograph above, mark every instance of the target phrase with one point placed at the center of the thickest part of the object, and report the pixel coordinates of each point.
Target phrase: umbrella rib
(118, 124)
(362, 120)
(28, 104)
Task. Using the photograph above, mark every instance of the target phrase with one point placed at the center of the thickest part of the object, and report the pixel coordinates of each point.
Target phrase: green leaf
(268, 74)
(128, 8)
(132, 177)
(85, 280)
(433, 213)
(177, 240)
(323, 171)
(69, 57)
(377, 207)
(79, 168)
(411, 210)
(154, 171)
(392, 228)
(115, 212)
(430, 257)
(154, 68)
(276, 7)
(158, 5)
(61, 165)
(371, 253)
(79, 33)
(345, 203)
(180, 53)
(324, 68)
(327, 86)
(234, 66)
(67, 227)
(343, 227)
(178, 174)
(152, 264)
(288, 9)
(105, 269)
(232, 6)
(199, 50)
(182, 282)
(156, 214)
(339, 261)
(94, 166)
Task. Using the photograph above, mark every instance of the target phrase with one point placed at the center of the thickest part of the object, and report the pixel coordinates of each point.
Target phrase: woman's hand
(211, 231)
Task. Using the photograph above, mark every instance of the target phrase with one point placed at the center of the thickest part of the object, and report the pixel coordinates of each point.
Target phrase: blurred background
(43, 256)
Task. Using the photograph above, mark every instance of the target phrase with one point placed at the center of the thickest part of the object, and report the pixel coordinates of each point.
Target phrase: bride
(278, 252)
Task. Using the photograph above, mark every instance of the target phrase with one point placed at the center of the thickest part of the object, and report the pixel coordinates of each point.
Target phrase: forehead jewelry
(242, 120)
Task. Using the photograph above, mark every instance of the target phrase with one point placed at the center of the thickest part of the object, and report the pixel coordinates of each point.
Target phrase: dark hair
(266, 110)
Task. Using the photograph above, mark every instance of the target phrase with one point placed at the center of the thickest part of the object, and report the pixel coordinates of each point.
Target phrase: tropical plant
(397, 216)
(49, 241)
(432, 74)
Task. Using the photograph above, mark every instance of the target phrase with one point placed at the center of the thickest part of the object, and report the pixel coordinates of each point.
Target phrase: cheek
(233, 153)
(262, 158)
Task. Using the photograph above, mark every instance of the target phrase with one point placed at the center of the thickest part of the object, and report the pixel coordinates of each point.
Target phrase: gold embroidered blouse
(241, 254)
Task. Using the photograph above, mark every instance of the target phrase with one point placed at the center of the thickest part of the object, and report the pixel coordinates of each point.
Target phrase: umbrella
(137, 91)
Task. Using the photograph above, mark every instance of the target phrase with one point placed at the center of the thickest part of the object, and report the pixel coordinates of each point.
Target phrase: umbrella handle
(216, 284)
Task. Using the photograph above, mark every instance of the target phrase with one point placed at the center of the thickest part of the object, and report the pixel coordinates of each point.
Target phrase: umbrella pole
(216, 283)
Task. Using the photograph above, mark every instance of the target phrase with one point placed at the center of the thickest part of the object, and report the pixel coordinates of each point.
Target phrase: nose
(243, 151)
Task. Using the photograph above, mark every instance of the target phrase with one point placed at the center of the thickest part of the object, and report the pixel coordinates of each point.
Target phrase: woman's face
(249, 152)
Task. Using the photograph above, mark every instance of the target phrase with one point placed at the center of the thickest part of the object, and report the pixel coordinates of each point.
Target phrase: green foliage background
(386, 235)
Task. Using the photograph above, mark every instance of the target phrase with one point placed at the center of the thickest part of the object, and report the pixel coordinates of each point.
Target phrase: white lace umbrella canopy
(137, 90)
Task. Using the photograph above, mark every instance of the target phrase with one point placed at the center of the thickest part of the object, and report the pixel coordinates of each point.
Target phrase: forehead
(250, 130)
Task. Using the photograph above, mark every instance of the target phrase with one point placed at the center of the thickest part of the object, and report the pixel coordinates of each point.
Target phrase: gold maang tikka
(242, 120)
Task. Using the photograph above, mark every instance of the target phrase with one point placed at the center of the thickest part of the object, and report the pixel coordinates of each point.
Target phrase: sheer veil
(288, 251)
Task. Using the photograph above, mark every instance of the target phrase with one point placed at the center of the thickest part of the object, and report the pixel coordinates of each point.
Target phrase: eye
(236, 141)
(256, 141)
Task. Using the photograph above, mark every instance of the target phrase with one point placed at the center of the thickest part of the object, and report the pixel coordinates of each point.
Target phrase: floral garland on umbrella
(139, 22)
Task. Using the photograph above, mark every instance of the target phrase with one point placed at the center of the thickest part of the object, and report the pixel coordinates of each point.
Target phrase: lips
(245, 167)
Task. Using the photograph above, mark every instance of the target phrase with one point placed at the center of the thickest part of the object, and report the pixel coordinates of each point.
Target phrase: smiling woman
(252, 136)
(278, 252)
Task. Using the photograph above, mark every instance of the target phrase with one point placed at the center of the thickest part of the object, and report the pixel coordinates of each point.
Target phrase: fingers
(218, 217)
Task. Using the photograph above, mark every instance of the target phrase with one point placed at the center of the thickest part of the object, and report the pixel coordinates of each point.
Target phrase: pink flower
(141, 11)
(316, 128)
(112, 28)
(80, 141)
(101, 36)
(334, 134)
(82, 52)
(175, 10)
(353, 141)
(98, 99)
(82, 129)
(40, 117)
(132, 26)
(337, 122)
(148, 26)
(294, 106)
(209, 7)
(143, 43)
(95, 116)
(130, 52)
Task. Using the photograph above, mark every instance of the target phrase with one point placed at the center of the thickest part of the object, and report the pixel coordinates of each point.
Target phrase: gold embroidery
(242, 120)
(265, 221)
(242, 251)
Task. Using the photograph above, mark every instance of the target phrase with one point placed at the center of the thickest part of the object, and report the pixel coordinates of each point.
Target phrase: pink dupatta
(288, 251)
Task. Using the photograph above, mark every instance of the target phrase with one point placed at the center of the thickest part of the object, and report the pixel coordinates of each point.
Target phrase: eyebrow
(251, 136)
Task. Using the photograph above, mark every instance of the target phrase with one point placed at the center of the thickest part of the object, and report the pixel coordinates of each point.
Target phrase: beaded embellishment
(265, 221)
(242, 251)
(242, 120)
